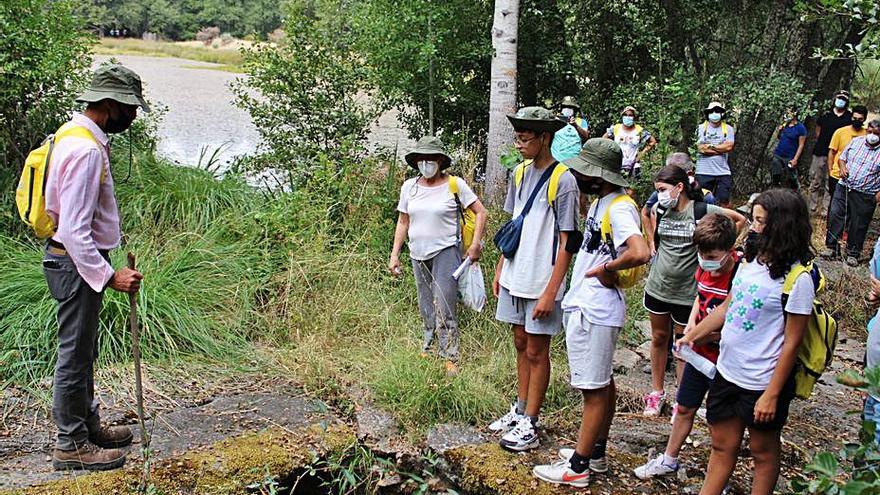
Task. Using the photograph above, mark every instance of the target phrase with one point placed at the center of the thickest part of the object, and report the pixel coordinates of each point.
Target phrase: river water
(199, 113)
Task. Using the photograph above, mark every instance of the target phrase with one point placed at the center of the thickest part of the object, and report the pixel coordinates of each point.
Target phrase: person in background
(856, 196)
(839, 140)
(714, 238)
(715, 141)
(871, 410)
(429, 217)
(595, 308)
(634, 140)
(761, 334)
(530, 286)
(838, 116)
(783, 165)
(81, 200)
(567, 141)
(671, 288)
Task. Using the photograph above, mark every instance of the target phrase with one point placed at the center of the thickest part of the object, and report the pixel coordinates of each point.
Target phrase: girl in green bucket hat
(430, 208)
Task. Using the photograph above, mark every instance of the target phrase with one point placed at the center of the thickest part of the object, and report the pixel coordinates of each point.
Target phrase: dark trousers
(74, 408)
(832, 186)
(851, 210)
(781, 175)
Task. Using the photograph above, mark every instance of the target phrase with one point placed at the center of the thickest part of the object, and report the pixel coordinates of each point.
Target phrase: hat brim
(91, 96)
(585, 167)
(550, 126)
(713, 108)
(410, 158)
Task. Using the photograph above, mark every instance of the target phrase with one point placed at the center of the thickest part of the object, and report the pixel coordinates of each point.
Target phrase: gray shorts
(518, 311)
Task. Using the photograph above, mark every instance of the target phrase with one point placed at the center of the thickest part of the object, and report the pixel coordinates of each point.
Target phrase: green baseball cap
(536, 119)
(600, 158)
(429, 145)
(118, 83)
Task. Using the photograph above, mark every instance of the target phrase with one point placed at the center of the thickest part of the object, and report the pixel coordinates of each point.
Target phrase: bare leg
(681, 428)
(609, 415)
(679, 364)
(766, 448)
(593, 420)
(520, 339)
(538, 357)
(661, 329)
(726, 439)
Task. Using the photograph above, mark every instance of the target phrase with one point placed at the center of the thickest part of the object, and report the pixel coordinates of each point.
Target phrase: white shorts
(590, 351)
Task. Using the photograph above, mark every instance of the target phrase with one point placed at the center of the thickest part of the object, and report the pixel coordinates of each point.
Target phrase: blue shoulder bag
(507, 238)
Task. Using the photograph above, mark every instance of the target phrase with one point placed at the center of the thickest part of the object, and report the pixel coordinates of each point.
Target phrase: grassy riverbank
(229, 57)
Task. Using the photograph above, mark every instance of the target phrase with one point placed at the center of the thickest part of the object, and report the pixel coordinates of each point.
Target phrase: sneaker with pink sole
(654, 404)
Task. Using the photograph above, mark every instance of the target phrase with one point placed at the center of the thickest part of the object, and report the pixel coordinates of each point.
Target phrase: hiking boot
(89, 457)
(560, 473)
(451, 369)
(507, 422)
(599, 465)
(111, 437)
(654, 404)
(655, 467)
(522, 437)
(830, 253)
(852, 261)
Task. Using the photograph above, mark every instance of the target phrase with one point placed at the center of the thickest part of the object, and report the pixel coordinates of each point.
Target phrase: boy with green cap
(529, 286)
(594, 306)
(81, 202)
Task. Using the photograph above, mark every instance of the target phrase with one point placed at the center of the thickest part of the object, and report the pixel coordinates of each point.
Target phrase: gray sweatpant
(74, 407)
(438, 295)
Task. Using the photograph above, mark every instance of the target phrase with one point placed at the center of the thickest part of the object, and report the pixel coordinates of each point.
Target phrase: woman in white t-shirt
(754, 384)
(429, 216)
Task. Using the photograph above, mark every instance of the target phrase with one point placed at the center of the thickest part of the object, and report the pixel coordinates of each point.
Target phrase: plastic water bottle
(699, 362)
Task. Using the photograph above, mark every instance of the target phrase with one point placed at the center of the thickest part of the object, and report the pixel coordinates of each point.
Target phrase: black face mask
(589, 187)
(750, 245)
(119, 123)
(857, 124)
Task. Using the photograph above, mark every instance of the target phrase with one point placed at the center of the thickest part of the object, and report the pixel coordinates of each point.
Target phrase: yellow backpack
(468, 219)
(30, 193)
(629, 276)
(820, 338)
(552, 185)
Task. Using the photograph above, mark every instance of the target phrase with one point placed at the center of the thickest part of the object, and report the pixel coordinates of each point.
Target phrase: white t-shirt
(433, 215)
(601, 305)
(630, 141)
(527, 274)
(754, 328)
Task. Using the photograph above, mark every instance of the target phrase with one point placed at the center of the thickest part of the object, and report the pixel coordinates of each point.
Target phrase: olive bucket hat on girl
(427, 146)
(118, 83)
(600, 158)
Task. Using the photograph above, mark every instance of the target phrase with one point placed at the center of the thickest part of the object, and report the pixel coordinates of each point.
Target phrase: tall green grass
(132, 46)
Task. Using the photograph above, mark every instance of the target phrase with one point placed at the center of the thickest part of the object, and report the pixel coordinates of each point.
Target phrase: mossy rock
(227, 467)
(488, 469)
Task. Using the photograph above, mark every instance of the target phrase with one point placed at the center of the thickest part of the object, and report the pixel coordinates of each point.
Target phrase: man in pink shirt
(81, 202)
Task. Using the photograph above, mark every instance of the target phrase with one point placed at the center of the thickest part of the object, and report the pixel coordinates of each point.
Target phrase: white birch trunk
(502, 96)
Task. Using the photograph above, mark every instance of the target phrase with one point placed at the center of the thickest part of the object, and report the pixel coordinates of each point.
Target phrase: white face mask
(872, 139)
(568, 112)
(714, 117)
(429, 169)
(665, 199)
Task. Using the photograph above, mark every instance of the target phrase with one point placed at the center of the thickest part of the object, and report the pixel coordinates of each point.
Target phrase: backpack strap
(453, 188)
(661, 212)
(553, 186)
(700, 210)
(796, 271)
(605, 229)
(723, 128)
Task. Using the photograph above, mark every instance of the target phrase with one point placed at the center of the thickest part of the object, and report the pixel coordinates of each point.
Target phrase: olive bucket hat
(428, 145)
(600, 158)
(536, 119)
(569, 101)
(118, 83)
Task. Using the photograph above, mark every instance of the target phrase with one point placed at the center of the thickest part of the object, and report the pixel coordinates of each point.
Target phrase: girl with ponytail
(671, 287)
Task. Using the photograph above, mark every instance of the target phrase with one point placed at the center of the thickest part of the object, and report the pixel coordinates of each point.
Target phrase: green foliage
(302, 97)
(44, 62)
(866, 86)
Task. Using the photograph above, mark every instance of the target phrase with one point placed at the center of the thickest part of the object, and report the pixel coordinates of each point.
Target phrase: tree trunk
(502, 96)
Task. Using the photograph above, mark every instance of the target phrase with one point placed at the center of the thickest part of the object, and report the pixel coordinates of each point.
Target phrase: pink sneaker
(654, 403)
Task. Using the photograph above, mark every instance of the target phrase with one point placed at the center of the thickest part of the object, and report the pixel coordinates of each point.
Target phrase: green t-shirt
(671, 278)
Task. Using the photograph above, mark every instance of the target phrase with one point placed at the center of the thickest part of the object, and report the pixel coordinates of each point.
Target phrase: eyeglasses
(523, 142)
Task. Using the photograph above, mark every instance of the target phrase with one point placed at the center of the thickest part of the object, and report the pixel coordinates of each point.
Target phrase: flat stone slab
(451, 436)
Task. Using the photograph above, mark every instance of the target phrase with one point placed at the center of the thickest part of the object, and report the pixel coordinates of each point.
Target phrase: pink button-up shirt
(81, 204)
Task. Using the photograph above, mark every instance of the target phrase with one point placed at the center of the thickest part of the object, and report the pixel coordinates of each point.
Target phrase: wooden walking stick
(136, 351)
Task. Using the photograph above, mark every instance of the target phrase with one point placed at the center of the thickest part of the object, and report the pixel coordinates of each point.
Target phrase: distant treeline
(182, 19)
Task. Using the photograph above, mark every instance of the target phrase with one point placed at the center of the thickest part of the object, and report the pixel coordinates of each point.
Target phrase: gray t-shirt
(715, 164)
(527, 274)
(671, 278)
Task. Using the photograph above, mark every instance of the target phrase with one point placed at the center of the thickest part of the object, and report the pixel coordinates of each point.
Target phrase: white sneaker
(654, 403)
(560, 473)
(596, 465)
(507, 422)
(655, 467)
(522, 437)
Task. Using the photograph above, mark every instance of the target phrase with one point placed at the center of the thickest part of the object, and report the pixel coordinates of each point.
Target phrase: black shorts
(679, 312)
(693, 387)
(727, 400)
